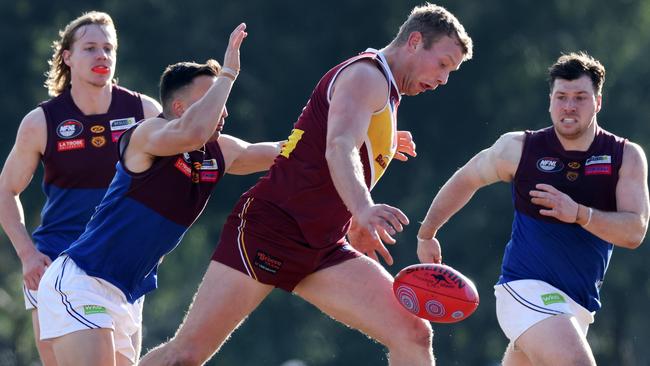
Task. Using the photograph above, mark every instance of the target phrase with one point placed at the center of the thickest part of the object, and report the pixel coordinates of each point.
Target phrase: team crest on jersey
(550, 165)
(98, 141)
(122, 124)
(70, 128)
(97, 129)
(572, 176)
(67, 145)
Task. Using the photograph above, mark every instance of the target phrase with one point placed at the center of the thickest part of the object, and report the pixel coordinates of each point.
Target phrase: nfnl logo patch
(549, 165)
(69, 129)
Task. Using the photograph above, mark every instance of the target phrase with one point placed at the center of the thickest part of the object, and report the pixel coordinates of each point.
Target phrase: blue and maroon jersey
(144, 216)
(544, 248)
(299, 181)
(79, 163)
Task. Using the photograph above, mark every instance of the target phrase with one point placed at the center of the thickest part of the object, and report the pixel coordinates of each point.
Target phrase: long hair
(58, 77)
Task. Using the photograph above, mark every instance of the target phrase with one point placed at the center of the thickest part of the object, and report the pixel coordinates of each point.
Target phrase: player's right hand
(429, 250)
(376, 224)
(231, 59)
(34, 266)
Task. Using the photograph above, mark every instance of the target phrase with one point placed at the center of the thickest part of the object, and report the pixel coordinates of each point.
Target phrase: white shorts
(70, 300)
(30, 297)
(523, 303)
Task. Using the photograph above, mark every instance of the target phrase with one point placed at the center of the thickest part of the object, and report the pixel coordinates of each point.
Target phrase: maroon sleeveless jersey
(81, 150)
(588, 177)
(299, 182)
(79, 163)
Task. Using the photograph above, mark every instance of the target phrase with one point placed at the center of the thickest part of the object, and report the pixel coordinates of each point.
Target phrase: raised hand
(231, 59)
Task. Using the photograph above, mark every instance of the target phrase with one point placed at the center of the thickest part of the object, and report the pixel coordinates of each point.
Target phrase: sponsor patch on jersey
(553, 298)
(210, 164)
(69, 129)
(382, 160)
(98, 141)
(550, 165)
(183, 167)
(122, 123)
(267, 262)
(600, 159)
(94, 309)
(67, 145)
(209, 176)
(572, 176)
(574, 165)
(116, 135)
(97, 129)
(600, 169)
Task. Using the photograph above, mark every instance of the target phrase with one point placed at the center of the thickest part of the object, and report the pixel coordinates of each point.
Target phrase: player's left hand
(429, 250)
(405, 146)
(556, 203)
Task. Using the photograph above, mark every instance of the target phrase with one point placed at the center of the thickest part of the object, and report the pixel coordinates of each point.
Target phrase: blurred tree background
(289, 47)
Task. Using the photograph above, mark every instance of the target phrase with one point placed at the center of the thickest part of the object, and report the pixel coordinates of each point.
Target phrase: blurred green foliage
(290, 45)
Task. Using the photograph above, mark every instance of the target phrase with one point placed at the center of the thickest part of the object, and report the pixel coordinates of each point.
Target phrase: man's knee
(414, 333)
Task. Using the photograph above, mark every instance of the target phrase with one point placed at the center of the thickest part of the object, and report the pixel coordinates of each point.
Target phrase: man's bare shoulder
(150, 106)
(363, 75)
(509, 144)
(634, 156)
(34, 119)
(363, 82)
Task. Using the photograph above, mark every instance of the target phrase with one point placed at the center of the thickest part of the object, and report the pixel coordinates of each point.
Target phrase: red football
(436, 292)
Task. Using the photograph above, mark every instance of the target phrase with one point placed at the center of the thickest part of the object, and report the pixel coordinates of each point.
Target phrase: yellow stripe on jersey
(381, 142)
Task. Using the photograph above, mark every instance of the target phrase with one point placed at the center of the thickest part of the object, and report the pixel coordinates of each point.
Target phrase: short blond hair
(58, 77)
(434, 21)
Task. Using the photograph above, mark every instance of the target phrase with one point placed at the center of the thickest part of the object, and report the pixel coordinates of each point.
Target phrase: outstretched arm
(497, 163)
(243, 158)
(627, 226)
(157, 137)
(18, 171)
